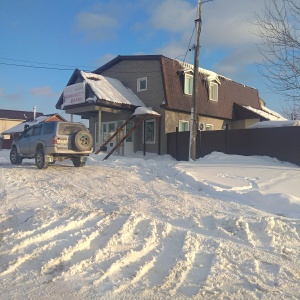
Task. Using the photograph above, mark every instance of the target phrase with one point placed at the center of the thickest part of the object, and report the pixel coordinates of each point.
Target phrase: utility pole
(194, 110)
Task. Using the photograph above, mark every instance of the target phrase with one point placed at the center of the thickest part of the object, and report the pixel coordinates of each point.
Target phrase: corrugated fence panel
(282, 143)
(211, 141)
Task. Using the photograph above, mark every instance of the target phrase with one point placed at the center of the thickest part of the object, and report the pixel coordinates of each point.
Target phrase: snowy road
(150, 229)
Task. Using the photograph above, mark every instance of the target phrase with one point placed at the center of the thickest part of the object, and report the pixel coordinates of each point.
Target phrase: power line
(35, 67)
(43, 63)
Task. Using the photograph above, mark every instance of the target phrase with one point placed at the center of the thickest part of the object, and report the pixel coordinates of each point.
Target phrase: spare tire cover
(83, 141)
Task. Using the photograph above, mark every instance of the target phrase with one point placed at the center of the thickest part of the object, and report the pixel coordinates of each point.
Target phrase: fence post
(176, 143)
(226, 139)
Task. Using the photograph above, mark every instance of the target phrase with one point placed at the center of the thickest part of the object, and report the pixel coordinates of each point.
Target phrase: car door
(25, 140)
(34, 138)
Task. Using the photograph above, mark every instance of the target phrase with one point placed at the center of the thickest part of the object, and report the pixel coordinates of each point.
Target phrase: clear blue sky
(64, 34)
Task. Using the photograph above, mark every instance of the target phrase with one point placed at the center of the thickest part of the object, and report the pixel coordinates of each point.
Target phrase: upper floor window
(142, 84)
(183, 125)
(188, 84)
(213, 91)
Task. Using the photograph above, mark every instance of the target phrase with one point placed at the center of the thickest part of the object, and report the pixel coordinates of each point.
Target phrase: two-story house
(109, 96)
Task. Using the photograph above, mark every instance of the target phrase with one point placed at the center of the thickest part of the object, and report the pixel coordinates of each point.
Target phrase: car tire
(83, 141)
(77, 163)
(14, 157)
(40, 159)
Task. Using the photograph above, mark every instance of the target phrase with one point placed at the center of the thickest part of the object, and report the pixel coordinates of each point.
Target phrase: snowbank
(224, 227)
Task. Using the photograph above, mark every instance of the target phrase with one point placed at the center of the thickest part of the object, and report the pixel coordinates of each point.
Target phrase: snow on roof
(267, 113)
(145, 111)
(268, 124)
(111, 89)
(209, 75)
(20, 127)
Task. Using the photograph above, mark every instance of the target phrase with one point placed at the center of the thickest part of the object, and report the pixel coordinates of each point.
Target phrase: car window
(48, 127)
(65, 128)
(37, 130)
(29, 132)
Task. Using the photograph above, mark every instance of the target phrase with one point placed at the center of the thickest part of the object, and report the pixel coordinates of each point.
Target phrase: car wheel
(76, 162)
(15, 159)
(40, 159)
(83, 141)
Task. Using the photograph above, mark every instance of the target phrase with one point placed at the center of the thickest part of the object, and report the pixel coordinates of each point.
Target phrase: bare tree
(279, 30)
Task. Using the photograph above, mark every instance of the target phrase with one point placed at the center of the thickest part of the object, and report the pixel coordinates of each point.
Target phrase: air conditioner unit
(201, 126)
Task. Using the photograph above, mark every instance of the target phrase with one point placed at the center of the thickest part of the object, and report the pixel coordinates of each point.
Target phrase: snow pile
(145, 111)
(224, 227)
(269, 124)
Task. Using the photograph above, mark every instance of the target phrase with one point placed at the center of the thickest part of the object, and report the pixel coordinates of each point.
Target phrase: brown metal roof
(229, 92)
(18, 114)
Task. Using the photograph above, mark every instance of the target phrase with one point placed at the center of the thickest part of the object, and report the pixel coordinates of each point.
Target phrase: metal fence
(282, 143)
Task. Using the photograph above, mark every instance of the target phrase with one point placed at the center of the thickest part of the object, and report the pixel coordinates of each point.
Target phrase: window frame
(154, 131)
(183, 122)
(188, 84)
(139, 81)
(213, 91)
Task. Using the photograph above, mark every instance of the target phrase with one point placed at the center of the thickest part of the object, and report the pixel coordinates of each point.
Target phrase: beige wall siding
(7, 124)
(172, 121)
(242, 124)
(173, 118)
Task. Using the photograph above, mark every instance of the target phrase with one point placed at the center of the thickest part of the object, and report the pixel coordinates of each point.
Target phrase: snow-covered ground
(224, 227)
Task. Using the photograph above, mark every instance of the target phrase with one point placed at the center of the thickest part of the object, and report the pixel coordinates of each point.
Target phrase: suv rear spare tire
(83, 141)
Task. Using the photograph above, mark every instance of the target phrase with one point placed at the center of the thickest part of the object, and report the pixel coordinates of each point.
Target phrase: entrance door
(109, 128)
(128, 143)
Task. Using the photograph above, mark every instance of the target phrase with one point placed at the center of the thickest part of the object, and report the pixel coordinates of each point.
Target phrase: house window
(149, 131)
(188, 84)
(183, 125)
(142, 84)
(213, 91)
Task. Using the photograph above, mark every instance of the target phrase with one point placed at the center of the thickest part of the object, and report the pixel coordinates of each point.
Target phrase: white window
(209, 127)
(142, 84)
(183, 125)
(213, 91)
(149, 131)
(188, 84)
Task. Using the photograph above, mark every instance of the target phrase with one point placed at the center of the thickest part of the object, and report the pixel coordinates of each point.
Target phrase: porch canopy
(85, 91)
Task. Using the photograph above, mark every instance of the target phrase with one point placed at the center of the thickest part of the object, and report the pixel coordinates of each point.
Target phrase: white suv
(48, 142)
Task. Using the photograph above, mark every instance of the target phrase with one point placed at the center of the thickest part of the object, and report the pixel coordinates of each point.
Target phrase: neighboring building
(14, 131)
(11, 118)
(109, 96)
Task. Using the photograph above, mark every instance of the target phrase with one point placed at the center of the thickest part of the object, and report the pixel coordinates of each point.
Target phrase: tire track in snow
(132, 267)
(50, 240)
(99, 239)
